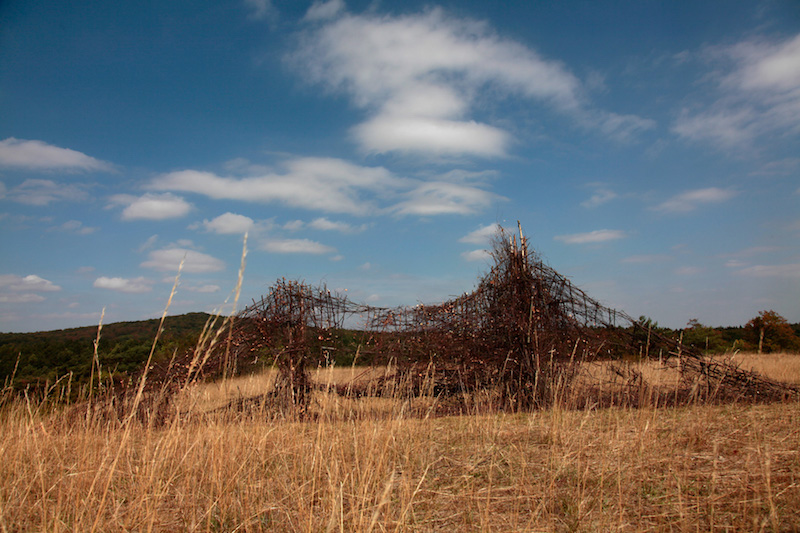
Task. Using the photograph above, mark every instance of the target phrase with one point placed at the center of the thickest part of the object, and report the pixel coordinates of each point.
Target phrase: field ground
(698, 468)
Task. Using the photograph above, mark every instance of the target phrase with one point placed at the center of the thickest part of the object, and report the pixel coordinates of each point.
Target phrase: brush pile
(520, 339)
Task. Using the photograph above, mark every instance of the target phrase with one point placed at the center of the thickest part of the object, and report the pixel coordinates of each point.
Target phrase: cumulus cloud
(691, 200)
(592, 237)
(168, 259)
(132, 286)
(40, 156)
(421, 76)
(23, 289)
(151, 206)
(31, 282)
(44, 192)
(757, 94)
(229, 223)
(296, 246)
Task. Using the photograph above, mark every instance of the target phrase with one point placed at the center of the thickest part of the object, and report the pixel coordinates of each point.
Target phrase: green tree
(703, 337)
(770, 332)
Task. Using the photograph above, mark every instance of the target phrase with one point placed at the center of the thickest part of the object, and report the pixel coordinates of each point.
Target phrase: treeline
(768, 332)
(34, 359)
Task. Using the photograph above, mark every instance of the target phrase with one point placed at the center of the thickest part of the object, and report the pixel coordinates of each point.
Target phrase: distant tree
(703, 337)
(770, 332)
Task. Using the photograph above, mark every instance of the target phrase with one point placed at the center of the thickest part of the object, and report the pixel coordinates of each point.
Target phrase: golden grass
(734, 467)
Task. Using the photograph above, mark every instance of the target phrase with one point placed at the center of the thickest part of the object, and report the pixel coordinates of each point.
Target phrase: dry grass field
(392, 468)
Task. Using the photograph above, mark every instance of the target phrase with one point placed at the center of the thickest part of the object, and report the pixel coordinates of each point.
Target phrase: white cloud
(600, 197)
(132, 286)
(40, 156)
(31, 282)
(444, 198)
(229, 223)
(476, 255)
(437, 136)
(329, 225)
(209, 288)
(168, 259)
(296, 246)
(75, 226)
(324, 184)
(324, 10)
(482, 235)
(22, 298)
(592, 237)
(44, 192)
(420, 76)
(691, 200)
(151, 206)
(259, 9)
(336, 186)
(758, 95)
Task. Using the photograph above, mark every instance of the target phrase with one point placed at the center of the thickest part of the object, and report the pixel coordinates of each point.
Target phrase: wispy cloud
(592, 237)
(419, 77)
(601, 196)
(324, 184)
(168, 259)
(76, 227)
(772, 271)
(260, 9)
(482, 235)
(337, 186)
(324, 224)
(132, 286)
(296, 246)
(476, 255)
(151, 206)
(440, 198)
(757, 94)
(40, 156)
(691, 200)
(40, 192)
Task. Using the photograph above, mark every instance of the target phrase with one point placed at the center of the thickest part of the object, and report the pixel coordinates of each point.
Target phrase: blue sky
(649, 149)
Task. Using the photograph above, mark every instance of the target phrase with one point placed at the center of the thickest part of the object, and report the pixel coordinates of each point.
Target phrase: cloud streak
(40, 156)
(592, 237)
(691, 200)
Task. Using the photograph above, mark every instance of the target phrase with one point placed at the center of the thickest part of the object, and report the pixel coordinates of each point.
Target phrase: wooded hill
(34, 359)
(124, 346)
